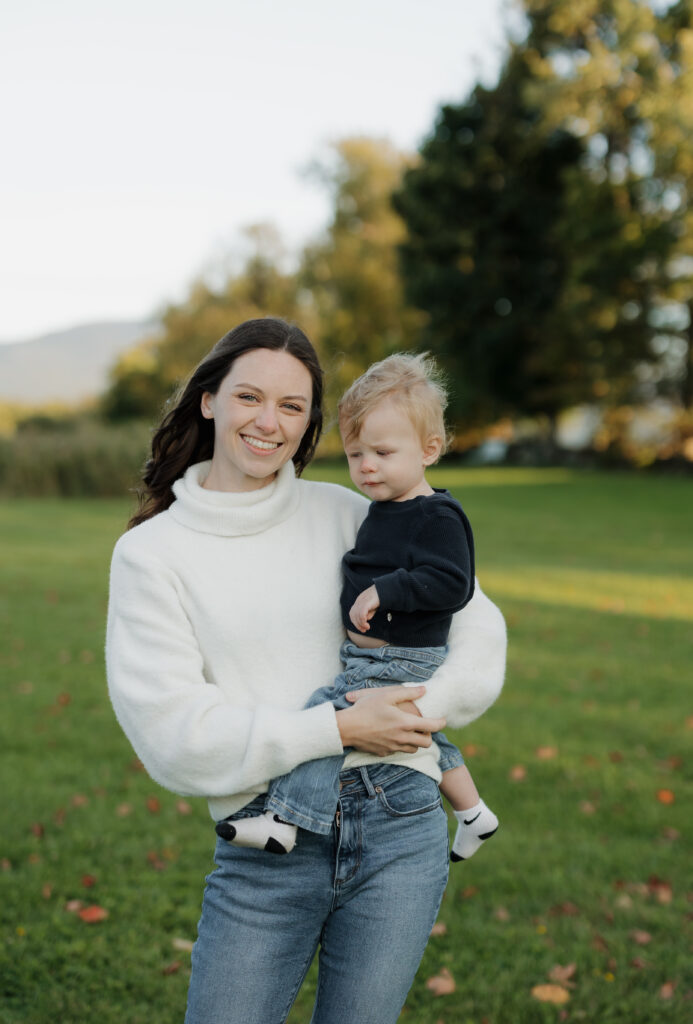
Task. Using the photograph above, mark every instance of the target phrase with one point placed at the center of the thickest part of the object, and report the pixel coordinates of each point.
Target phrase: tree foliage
(545, 212)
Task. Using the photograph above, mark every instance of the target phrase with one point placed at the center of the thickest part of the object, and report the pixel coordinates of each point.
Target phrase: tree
(351, 273)
(540, 220)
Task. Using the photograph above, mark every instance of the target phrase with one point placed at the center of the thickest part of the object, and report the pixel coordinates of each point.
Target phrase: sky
(140, 136)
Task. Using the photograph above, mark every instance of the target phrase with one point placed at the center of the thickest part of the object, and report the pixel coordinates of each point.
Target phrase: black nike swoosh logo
(472, 820)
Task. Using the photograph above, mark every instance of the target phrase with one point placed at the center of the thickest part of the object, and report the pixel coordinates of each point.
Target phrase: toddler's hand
(364, 608)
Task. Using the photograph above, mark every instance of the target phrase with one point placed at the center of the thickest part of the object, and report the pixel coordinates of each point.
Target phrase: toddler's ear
(432, 449)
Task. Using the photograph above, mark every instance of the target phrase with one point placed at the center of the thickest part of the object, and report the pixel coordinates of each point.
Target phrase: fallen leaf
(587, 807)
(599, 943)
(47, 891)
(37, 830)
(671, 834)
(667, 990)
(122, 810)
(59, 816)
(563, 974)
(172, 968)
(34, 858)
(25, 687)
(546, 753)
(72, 906)
(6, 864)
(88, 881)
(79, 800)
(469, 891)
(565, 909)
(183, 945)
(439, 928)
(183, 807)
(615, 756)
(518, 773)
(470, 750)
(155, 860)
(641, 937)
(501, 914)
(63, 699)
(136, 765)
(93, 914)
(551, 994)
(442, 984)
(638, 963)
(665, 796)
(86, 657)
(153, 805)
(624, 901)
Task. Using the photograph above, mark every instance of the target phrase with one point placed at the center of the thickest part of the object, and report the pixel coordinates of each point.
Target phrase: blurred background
(507, 185)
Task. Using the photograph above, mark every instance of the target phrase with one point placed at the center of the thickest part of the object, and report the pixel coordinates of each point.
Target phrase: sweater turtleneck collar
(233, 513)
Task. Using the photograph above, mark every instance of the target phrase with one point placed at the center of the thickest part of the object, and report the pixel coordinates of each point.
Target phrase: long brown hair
(186, 437)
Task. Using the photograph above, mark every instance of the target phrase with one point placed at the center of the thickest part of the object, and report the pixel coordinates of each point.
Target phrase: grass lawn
(587, 886)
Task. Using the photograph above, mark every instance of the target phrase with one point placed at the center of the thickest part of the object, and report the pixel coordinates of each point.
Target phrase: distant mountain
(68, 365)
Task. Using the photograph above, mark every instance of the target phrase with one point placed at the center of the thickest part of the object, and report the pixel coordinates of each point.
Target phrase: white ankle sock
(476, 824)
(265, 832)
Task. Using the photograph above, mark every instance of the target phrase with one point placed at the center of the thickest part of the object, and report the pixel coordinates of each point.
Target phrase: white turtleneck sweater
(224, 617)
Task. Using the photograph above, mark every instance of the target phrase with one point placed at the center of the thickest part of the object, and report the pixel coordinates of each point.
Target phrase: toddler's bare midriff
(365, 641)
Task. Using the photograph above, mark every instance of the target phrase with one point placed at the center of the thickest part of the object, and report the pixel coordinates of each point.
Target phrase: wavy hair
(185, 437)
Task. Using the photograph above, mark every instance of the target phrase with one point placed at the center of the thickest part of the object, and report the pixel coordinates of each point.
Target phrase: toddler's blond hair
(414, 382)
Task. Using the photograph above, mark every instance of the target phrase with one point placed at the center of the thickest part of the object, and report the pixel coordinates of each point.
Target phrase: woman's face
(260, 412)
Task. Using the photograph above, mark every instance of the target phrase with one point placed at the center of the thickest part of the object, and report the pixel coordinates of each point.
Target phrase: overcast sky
(140, 136)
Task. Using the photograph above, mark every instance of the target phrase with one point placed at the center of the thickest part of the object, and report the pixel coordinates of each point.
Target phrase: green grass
(594, 575)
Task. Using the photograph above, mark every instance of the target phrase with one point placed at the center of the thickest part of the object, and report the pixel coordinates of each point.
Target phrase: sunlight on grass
(659, 597)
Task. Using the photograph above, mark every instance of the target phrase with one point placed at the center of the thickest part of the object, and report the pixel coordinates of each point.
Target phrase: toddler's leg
(476, 822)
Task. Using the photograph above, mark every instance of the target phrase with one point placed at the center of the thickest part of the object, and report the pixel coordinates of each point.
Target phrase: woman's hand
(378, 725)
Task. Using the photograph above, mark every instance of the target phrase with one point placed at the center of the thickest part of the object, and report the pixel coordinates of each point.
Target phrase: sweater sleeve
(471, 677)
(185, 731)
(441, 576)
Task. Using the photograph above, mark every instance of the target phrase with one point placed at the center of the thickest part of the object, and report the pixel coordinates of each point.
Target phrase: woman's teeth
(255, 442)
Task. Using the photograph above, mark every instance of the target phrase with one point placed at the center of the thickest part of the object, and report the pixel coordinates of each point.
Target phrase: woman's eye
(248, 398)
(293, 408)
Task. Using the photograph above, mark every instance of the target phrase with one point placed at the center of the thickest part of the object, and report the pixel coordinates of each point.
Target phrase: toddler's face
(388, 459)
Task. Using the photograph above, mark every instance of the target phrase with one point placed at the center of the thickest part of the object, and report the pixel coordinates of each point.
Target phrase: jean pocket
(251, 810)
(410, 793)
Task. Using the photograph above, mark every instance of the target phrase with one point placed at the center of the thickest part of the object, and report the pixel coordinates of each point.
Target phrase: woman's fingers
(378, 725)
(394, 694)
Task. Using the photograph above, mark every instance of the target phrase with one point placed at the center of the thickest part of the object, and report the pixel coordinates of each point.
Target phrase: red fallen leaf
(38, 830)
(153, 805)
(442, 984)
(6, 864)
(501, 914)
(47, 890)
(93, 914)
(59, 816)
(469, 891)
(72, 906)
(439, 928)
(587, 807)
(599, 943)
(563, 974)
(64, 699)
(638, 963)
(551, 994)
(88, 881)
(172, 968)
(136, 765)
(615, 756)
(122, 810)
(34, 858)
(183, 807)
(79, 800)
(518, 773)
(470, 750)
(667, 990)
(689, 722)
(546, 753)
(641, 937)
(565, 909)
(155, 860)
(665, 796)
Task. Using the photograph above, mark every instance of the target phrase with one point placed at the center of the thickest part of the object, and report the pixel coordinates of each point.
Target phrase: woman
(223, 617)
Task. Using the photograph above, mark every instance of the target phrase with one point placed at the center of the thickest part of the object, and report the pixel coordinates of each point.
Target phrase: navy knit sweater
(420, 556)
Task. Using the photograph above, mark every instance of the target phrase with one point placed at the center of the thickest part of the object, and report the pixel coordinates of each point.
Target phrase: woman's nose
(266, 418)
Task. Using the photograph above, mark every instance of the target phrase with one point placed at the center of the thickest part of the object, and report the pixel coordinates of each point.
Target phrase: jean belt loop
(370, 788)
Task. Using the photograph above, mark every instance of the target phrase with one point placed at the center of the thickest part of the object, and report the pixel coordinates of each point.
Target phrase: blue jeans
(368, 894)
(307, 796)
